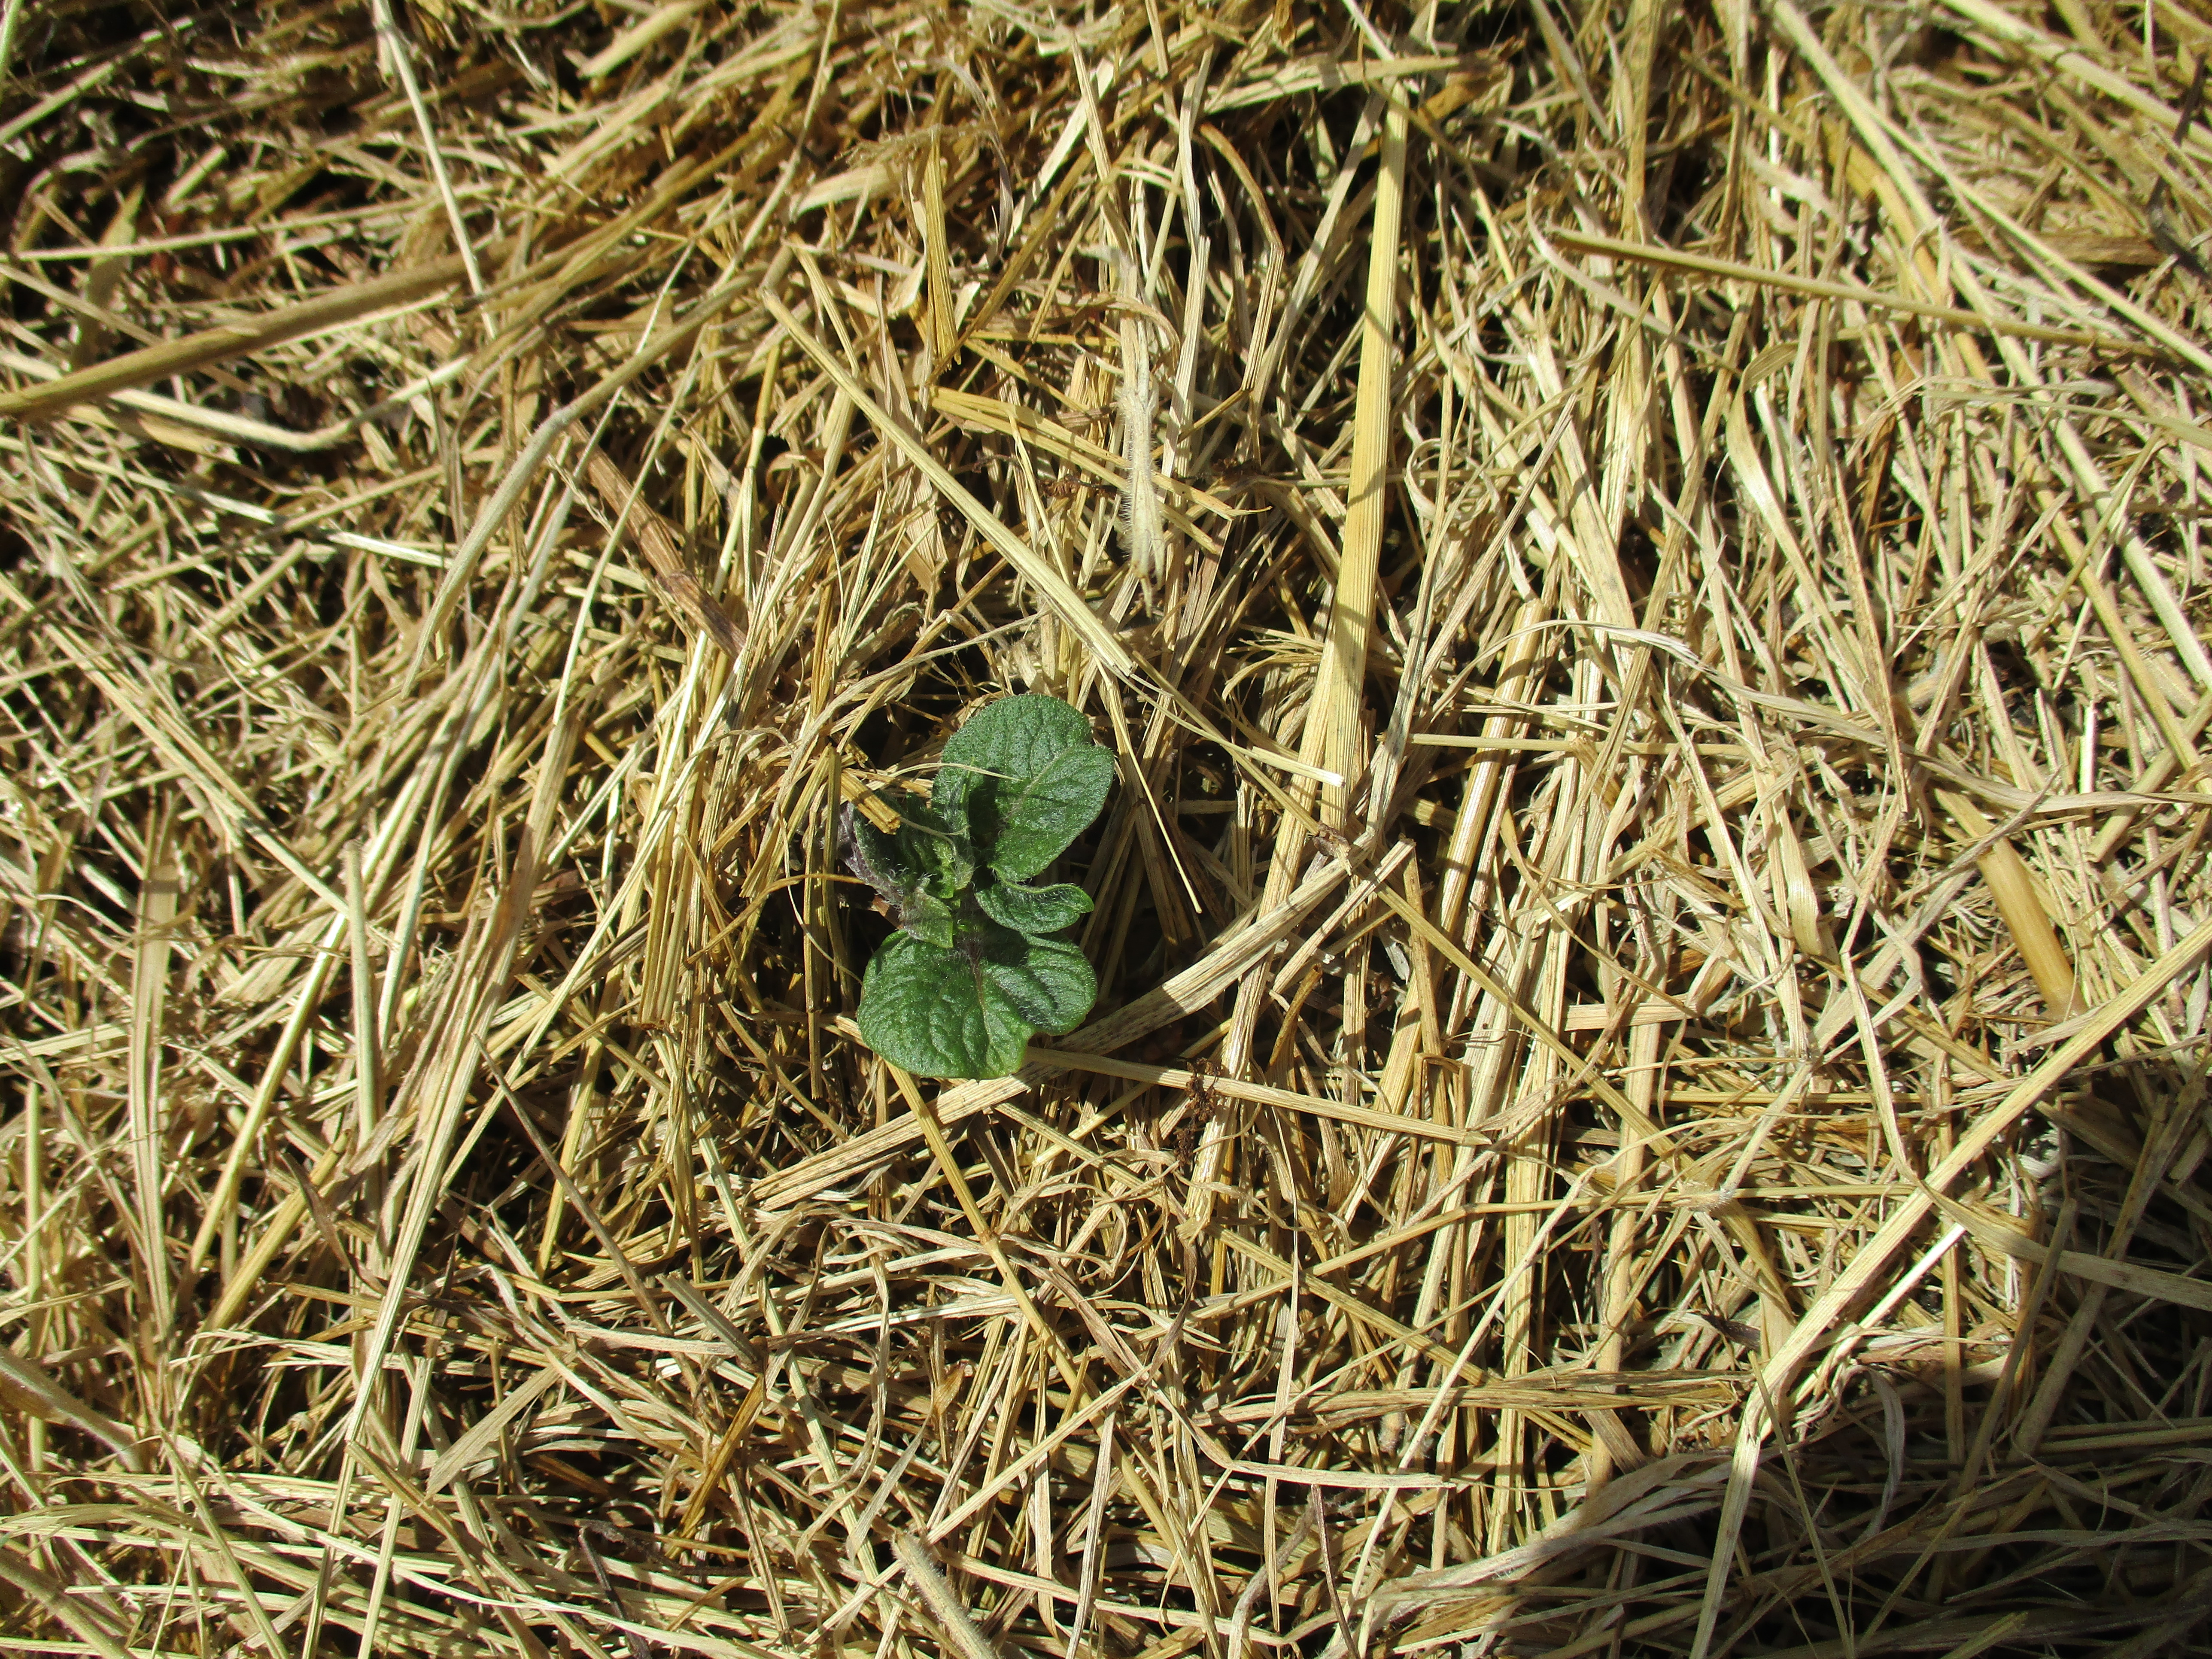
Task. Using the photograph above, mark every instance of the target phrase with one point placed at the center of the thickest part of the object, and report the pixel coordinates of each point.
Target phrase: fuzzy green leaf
(1046, 980)
(969, 1011)
(928, 917)
(938, 846)
(922, 1008)
(890, 865)
(1023, 777)
(877, 858)
(1033, 909)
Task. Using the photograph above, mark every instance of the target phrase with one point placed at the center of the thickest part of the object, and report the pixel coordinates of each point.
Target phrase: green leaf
(1024, 779)
(922, 1008)
(890, 867)
(877, 858)
(1046, 980)
(1033, 909)
(928, 917)
(937, 845)
(968, 1012)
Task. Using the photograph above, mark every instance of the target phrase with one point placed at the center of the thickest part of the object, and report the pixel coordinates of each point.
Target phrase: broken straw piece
(1143, 537)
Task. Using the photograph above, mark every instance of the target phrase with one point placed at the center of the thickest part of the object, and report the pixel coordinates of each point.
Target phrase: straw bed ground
(1643, 567)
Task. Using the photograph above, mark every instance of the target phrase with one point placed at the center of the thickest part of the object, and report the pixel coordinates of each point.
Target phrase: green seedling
(976, 967)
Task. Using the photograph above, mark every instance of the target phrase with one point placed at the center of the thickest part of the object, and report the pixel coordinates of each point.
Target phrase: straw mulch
(1645, 570)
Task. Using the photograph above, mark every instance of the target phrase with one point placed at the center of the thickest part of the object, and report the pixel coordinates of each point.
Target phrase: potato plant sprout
(978, 966)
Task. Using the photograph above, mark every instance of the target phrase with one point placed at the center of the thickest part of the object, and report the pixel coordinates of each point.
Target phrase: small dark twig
(1329, 1570)
(2192, 102)
(630, 1639)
